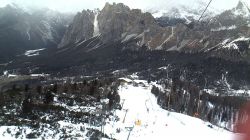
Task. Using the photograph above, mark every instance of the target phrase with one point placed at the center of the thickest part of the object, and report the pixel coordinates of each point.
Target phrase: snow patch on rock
(223, 28)
(128, 37)
(96, 25)
(30, 53)
(233, 45)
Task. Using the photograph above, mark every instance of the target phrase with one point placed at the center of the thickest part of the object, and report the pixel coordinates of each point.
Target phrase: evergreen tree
(49, 97)
(27, 105)
(26, 87)
(55, 88)
(74, 88)
(39, 89)
(14, 87)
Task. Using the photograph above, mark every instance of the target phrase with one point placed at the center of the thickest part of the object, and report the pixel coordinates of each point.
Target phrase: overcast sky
(78, 5)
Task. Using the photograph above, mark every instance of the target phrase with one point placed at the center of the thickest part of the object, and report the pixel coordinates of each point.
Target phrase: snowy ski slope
(149, 121)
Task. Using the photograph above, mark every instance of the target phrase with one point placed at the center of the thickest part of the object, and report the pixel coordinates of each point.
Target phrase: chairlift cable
(205, 10)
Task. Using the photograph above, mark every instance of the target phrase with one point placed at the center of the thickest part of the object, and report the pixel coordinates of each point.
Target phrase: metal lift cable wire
(205, 10)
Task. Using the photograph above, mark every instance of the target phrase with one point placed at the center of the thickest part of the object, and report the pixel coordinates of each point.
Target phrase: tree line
(184, 97)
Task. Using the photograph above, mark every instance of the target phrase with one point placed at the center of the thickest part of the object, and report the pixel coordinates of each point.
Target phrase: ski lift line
(130, 129)
(186, 30)
(205, 10)
(125, 116)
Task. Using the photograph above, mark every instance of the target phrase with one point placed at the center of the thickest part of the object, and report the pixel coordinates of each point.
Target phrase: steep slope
(113, 111)
(118, 22)
(22, 30)
(82, 28)
(242, 9)
(215, 34)
(149, 121)
(238, 16)
(117, 37)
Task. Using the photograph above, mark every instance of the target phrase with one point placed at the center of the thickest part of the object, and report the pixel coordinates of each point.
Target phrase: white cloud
(3, 3)
(78, 5)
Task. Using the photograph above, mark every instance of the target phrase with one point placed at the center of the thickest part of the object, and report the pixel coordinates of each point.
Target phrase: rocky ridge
(119, 23)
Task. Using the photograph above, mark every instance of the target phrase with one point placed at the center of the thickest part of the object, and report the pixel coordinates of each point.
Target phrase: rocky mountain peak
(13, 10)
(113, 23)
(185, 12)
(82, 28)
(13, 6)
(117, 23)
(242, 5)
(116, 7)
(242, 9)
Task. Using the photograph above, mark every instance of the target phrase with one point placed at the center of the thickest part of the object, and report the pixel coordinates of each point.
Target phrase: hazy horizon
(79, 5)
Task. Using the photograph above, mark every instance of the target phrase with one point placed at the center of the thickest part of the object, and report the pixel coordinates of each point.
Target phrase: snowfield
(149, 121)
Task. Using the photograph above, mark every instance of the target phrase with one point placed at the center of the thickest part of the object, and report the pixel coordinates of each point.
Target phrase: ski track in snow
(157, 123)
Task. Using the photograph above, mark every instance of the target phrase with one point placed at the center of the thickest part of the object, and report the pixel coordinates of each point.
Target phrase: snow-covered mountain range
(85, 88)
(185, 12)
(90, 33)
(194, 12)
(175, 29)
(118, 23)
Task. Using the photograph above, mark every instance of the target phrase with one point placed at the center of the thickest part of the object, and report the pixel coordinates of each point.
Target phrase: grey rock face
(81, 28)
(113, 21)
(225, 35)
(119, 23)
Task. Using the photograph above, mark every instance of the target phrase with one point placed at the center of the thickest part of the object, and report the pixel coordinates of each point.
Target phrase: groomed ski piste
(141, 118)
